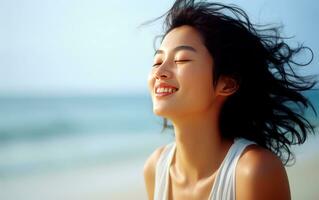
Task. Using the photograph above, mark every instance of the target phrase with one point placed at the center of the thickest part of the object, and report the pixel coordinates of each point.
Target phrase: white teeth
(162, 90)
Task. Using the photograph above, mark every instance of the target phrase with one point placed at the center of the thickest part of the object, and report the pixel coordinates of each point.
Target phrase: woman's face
(180, 82)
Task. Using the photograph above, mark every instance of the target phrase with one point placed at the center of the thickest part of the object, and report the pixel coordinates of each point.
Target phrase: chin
(161, 111)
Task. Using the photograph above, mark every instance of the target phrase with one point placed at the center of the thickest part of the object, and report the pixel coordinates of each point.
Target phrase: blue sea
(43, 134)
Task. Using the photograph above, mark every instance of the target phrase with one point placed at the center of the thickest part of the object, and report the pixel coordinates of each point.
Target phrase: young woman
(234, 101)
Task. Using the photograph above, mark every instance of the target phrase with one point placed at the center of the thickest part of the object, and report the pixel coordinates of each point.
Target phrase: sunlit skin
(183, 61)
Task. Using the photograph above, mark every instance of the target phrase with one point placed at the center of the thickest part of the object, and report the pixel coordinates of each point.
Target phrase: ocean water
(45, 134)
(41, 134)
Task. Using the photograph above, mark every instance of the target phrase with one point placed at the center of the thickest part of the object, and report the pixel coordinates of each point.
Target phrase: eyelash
(176, 61)
(156, 64)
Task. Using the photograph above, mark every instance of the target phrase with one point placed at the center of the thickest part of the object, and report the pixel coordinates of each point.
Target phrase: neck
(200, 148)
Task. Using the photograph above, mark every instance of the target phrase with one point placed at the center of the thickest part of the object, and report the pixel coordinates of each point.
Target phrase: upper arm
(149, 171)
(261, 175)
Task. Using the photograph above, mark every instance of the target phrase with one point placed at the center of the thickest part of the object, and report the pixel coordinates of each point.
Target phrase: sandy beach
(304, 177)
(124, 180)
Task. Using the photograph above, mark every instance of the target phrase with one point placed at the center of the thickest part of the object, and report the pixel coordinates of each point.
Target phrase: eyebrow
(176, 49)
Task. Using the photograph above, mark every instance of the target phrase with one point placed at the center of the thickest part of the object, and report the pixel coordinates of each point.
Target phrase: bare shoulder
(149, 171)
(150, 163)
(261, 175)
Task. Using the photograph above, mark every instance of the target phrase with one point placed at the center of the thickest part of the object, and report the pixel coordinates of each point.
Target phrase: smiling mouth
(164, 91)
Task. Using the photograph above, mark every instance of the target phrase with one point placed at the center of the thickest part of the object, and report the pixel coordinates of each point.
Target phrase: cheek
(150, 82)
(197, 79)
(198, 86)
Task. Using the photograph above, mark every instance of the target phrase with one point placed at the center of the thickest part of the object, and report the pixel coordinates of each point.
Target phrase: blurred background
(76, 120)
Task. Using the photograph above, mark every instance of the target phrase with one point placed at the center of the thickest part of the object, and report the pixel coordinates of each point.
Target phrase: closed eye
(182, 61)
(176, 61)
(156, 64)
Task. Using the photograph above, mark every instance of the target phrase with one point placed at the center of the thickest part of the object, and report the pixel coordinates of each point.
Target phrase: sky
(99, 47)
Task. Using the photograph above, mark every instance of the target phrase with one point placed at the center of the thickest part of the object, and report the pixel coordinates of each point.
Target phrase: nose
(162, 72)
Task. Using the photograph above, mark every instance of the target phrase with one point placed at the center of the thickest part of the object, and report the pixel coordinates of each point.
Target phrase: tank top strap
(162, 170)
(224, 185)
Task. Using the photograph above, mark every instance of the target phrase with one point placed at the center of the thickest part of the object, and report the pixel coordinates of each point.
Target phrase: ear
(226, 86)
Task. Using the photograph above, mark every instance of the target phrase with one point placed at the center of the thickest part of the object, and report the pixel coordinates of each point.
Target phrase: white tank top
(224, 184)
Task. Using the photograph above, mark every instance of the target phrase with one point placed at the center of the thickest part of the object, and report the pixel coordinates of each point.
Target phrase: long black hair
(268, 106)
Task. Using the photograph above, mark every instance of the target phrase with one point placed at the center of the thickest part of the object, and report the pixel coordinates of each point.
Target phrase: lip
(164, 85)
